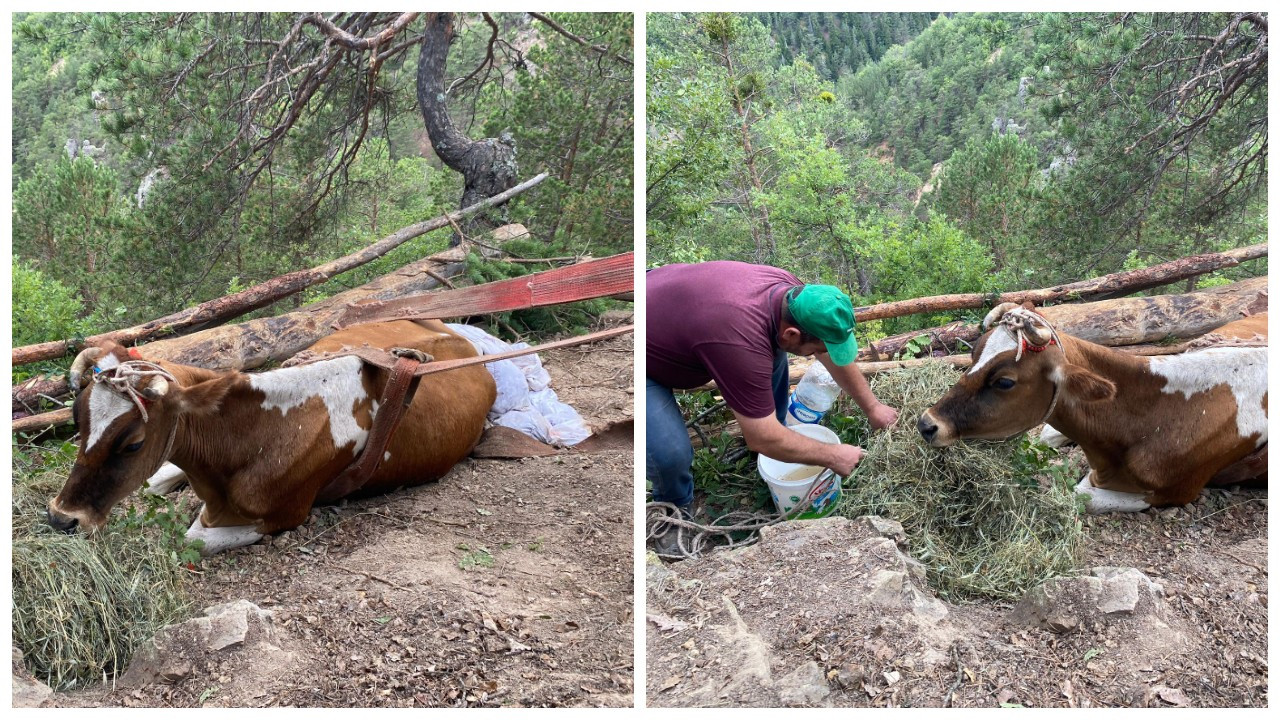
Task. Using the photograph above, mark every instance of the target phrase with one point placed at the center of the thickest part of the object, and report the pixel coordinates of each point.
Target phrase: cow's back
(1253, 327)
(430, 336)
(448, 412)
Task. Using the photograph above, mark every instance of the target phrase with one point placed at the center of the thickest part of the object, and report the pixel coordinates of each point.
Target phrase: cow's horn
(996, 313)
(87, 357)
(1038, 331)
(156, 390)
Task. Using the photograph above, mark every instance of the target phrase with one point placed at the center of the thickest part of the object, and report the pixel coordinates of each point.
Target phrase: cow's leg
(286, 518)
(218, 539)
(168, 478)
(1185, 493)
(1109, 501)
(1249, 470)
(1050, 436)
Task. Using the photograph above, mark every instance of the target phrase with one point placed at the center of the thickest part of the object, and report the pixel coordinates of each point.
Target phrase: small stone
(850, 676)
(804, 686)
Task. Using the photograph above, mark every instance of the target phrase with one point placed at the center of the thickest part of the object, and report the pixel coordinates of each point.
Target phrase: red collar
(1037, 348)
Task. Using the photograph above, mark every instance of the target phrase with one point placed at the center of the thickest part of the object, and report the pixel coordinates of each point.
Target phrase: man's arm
(854, 383)
(769, 437)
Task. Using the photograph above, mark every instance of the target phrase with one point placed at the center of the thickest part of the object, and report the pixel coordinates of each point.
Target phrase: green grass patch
(471, 559)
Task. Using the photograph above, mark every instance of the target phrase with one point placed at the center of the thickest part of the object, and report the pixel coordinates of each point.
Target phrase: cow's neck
(208, 443)
(1105, 421)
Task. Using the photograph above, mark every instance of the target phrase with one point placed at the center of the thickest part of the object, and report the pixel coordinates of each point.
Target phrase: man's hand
(768, 437)
(845, 459)
(882, 416)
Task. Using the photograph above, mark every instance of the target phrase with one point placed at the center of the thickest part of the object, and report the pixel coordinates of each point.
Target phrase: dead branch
(352, 42)
(225, 308)
(601, 49)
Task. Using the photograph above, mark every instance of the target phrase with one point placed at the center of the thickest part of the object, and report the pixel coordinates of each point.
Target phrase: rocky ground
(507, 583)
(1169, 609)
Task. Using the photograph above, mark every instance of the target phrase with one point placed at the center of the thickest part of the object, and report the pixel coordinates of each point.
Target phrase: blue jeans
(668, 452)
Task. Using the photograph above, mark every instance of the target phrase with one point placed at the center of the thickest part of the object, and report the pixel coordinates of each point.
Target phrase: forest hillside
(968, 153)
(162, 160)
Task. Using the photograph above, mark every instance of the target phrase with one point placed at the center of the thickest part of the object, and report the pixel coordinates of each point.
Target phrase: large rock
(176, 650)
(28, 692)
(1107, 595)
(785, 621)
(804, 687)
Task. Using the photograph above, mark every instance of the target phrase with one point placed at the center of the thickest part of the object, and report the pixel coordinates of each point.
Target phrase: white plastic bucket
(791, 483)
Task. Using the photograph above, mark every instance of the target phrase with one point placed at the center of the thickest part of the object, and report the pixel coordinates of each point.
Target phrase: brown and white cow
(257, 448)
(1155, 430)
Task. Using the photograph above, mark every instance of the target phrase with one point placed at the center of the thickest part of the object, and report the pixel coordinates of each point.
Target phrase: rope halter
(1016, 322)
(123, 378)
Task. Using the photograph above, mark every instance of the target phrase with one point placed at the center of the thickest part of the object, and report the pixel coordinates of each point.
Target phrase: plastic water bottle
(813, 397)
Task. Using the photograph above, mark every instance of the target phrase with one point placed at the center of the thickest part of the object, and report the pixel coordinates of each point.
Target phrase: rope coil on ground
(694, 539)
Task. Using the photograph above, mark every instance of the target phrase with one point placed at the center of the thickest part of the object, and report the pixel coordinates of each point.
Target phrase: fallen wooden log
(1121, 283)
(1125, 321)
(251, 344)
(537, 294)
(225, 308)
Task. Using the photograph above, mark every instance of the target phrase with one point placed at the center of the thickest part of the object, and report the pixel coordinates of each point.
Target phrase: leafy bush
(43, 308)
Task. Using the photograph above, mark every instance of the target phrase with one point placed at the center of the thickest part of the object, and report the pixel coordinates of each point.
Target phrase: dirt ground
(506, 583)
(796, 620)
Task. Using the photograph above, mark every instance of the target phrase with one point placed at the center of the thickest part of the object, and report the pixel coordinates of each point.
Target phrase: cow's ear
(1084, 385)
(202, 398)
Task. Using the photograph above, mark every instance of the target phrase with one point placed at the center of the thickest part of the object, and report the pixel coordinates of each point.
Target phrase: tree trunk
(1102, 288)
(488, 166)
(1126, 321)
(765, 244)
(222, 309)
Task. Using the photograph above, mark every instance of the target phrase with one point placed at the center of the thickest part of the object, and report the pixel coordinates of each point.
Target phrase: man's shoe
(667, 542)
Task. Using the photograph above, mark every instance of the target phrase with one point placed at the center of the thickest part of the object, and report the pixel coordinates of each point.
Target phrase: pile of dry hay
(974, 513)
(82, 605)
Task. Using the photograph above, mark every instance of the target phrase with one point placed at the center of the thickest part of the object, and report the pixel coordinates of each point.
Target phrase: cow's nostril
(62, 523)
(927, 427)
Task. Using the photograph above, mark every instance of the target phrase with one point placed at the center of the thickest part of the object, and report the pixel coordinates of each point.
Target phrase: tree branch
(604, 51)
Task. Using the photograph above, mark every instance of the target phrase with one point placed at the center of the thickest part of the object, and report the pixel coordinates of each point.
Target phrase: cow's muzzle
(60, 522)
(932, 432)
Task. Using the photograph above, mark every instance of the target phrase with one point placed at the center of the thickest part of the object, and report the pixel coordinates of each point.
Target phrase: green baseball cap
(825, 312)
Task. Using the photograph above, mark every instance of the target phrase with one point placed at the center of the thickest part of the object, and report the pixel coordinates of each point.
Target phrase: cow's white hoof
(1108, 501)
(167, 479)
(220, 539)
(1050, 436)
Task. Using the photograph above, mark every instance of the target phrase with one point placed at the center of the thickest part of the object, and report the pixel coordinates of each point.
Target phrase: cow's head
(127, 412)
(1019, 373)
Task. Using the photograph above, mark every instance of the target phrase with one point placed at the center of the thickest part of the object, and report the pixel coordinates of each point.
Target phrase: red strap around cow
(396, 396)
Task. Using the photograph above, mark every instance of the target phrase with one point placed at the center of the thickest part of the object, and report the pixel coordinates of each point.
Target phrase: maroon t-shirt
(716, 321)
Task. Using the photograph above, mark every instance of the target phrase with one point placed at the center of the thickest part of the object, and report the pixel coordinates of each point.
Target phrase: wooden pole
(1107, 286)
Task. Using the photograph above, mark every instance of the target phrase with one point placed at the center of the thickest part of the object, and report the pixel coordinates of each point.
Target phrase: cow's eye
(1003, 383)
(132, 447)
